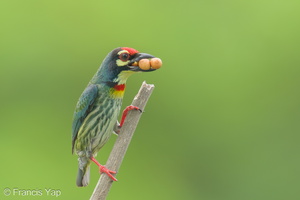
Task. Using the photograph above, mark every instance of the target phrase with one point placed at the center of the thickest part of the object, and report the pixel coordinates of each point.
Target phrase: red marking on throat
(120, 87)
(130, 50)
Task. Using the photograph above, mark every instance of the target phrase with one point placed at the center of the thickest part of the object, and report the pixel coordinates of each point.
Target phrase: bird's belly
(97, 127)
(104, 134)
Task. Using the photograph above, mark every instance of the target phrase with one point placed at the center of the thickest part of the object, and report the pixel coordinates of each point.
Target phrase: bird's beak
(141, 62)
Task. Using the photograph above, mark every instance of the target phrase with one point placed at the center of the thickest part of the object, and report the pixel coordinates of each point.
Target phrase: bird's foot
(109, 173)
(103, 169)
(125, 112)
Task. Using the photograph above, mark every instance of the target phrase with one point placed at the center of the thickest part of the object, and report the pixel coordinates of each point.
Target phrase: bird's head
(120, 63)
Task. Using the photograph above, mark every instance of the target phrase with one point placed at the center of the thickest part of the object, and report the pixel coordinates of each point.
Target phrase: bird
(96, 113)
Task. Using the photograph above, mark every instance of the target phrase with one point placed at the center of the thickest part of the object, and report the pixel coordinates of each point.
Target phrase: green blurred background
(223, 120)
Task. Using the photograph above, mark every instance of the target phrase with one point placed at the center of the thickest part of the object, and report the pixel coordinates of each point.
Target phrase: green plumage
(97, 110)
(95, 117)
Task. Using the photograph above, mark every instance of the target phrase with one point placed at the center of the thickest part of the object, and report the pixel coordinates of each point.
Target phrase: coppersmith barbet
(97, 110)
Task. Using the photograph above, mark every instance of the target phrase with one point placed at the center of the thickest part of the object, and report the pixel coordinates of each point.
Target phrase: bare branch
(119, 150)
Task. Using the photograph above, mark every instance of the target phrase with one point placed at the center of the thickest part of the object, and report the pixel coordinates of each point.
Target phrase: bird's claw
(109, 173)
(131, 107)
(128, 108)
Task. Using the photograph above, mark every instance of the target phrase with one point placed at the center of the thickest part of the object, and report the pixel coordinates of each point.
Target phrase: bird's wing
(82, 109)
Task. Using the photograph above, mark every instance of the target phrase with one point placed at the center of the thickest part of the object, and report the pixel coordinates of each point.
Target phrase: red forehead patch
(130, 50)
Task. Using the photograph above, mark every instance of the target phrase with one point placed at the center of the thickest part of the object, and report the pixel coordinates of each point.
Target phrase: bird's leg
(125, 112)
(103, 169)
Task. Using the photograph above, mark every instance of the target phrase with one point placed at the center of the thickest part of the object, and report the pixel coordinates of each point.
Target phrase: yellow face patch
(121, 63)
(123, 51)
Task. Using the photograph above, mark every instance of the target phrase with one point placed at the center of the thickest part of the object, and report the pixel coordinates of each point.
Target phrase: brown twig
(119, 150)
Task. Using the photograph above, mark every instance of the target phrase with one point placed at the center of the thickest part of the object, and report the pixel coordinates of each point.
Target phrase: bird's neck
(123, 76)
(119, 87)
(118, 84)
(116, 90)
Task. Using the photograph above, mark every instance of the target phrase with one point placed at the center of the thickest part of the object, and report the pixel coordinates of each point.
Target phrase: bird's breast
(117, 92)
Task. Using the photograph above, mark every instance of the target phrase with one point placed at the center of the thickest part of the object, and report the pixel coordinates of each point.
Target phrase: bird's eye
(124, 57)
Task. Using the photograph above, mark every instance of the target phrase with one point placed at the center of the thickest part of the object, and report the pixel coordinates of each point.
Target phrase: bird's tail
(83, 176)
